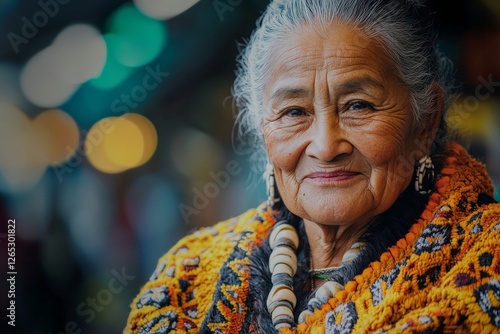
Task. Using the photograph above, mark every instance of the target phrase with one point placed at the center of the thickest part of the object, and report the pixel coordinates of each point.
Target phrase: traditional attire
(442, 276)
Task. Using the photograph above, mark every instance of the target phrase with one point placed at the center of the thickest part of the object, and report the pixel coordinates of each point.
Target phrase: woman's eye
(360, 105)
(294, 112)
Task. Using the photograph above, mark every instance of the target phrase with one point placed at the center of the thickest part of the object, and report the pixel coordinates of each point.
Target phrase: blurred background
(116, 139)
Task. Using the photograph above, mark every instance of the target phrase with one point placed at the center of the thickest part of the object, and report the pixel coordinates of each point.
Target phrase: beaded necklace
(281, 300)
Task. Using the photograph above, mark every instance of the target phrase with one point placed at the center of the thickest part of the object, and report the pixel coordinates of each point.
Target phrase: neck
(329, 243)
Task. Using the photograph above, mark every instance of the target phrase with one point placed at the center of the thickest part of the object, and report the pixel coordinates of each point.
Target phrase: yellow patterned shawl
(443, 276)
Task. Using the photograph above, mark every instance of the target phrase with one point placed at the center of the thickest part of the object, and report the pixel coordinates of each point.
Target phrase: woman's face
(337, 126)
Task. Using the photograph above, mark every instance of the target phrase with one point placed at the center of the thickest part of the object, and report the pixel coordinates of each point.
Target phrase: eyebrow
(289, 93)
(358, 84)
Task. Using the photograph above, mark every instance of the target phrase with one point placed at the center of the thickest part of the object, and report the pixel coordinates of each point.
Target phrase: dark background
(78, 227)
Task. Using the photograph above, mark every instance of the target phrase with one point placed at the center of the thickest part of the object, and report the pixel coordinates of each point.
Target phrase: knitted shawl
(442, 276)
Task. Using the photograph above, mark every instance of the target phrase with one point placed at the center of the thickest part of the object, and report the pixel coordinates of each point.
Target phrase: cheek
(385, 144)
(383, 152)
(283, 147)
(390, 153)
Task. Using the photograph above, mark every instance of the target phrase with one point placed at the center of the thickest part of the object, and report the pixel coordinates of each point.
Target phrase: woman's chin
(332, 195)
(335, 208)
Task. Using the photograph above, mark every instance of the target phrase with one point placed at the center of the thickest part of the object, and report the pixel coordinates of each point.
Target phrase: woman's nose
(328, 141)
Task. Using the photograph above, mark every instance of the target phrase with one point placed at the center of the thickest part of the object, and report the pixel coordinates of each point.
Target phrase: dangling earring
(272, 190)
(424, 175)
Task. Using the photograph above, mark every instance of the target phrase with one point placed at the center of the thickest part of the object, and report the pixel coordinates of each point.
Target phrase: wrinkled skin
(339, 132)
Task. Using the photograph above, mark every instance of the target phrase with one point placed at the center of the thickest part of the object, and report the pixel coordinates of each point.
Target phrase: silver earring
(424, 175)
(272, 190)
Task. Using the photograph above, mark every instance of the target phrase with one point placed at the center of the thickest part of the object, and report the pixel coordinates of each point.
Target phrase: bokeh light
(149, 135)
(132, 40)
(470, 117)
(81, 52)
(190, 146)
(60, 133)
(39, 84)
(28, 146)
(124, 145)
(53, 75)
(94, 148)
(164, 9)
(113, 72)
(140, 38)
(116, 144)
(22, 152)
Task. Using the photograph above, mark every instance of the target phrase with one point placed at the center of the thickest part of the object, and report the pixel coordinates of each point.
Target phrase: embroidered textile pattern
(179, 294)
(444, 275)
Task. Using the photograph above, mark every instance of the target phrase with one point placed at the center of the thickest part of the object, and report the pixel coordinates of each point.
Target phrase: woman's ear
(431, 122)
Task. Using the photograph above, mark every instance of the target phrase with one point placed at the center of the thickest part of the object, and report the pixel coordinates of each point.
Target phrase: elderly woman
(375, 222)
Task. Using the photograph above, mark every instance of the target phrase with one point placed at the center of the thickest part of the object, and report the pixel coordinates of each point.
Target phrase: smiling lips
(332, 177)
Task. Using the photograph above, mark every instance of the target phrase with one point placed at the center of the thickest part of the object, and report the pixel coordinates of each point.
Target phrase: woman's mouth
(332, 177)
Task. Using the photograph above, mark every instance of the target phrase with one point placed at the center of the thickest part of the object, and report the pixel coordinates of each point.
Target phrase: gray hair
(403, 27)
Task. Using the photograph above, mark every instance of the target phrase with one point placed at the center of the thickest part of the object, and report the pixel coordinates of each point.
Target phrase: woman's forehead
(344, 56)
(307, 48)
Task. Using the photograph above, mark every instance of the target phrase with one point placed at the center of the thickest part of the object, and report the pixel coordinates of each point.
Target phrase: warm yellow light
(22, 151)
(60, 133)
(470, 116)
(116, 144)
(124, 146)
(149, 135)
(94, 147)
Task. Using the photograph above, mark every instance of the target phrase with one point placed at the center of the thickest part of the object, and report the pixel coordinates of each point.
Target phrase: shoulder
(462, 208)
(179, 293)
(210, 239)
(472, 270)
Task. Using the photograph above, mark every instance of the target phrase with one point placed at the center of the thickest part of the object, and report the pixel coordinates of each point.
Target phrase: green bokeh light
(113, 73)
(141, 38)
